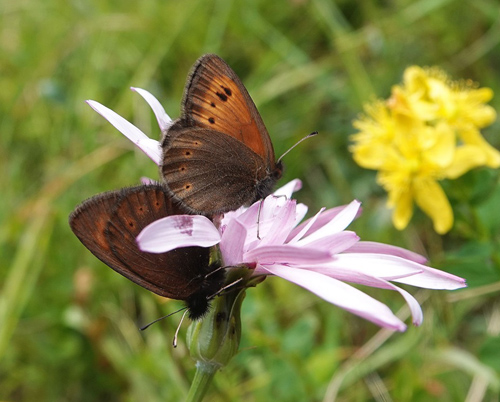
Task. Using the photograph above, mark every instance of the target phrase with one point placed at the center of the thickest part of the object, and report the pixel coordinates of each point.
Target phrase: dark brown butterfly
(108, 224)
(218, 155)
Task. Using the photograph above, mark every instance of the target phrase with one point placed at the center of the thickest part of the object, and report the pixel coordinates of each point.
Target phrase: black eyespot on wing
(221, 96)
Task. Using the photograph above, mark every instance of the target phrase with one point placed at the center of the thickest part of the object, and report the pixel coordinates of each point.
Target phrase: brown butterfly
(218, 155)
(108, 224)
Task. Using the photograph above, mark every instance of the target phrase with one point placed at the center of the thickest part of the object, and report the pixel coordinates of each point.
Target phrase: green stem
(202, 379)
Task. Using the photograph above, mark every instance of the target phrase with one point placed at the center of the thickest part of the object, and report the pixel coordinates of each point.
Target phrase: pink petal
(247, 216)
(286, 254)
(298, 234)
(301, 212)
(415, 309)
(375, 265)
(238, 214)
(322, 220)
(150, 147)
(147, 180)
(336, 243)
(178, 231)
(367, 280)
(164, 120)
(271, 207)
(280, 226)
(346, 275)
(233, 242)
(264, 220)
(340, 294)
(288, 189)
(432, 278)
(380, 248)
(336, 225)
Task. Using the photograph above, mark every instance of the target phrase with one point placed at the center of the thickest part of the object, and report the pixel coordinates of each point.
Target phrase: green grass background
(68, 324)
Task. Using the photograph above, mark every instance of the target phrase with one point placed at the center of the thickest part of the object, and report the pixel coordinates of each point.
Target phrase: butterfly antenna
(224, 288)
(214, 271)
(161, 318)
(297, 143)
(174, 342)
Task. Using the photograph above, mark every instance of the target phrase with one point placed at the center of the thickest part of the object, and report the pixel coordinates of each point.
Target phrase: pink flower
(319, 254)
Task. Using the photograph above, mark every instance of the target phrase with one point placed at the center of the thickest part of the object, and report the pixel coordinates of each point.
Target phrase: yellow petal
(471, 109)
(467, 157)
(370, 156)
(403, 210)
(411, 104)
(472, 136)
(442, 152)
(431, 198)
(414, 78)
(481, 95)
(439, 90)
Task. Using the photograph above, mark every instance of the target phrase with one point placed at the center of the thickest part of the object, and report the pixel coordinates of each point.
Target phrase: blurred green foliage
(68, 324)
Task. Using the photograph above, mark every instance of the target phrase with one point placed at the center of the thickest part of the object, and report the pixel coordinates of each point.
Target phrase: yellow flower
(434, 97)
(428, 130)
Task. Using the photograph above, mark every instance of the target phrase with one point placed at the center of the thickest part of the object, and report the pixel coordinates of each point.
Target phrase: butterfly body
(218, 155)
(108, 224)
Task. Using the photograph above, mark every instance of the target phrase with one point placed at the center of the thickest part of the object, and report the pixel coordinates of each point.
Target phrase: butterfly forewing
(216, 99)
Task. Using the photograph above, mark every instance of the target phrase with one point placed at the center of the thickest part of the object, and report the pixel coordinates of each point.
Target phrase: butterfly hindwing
(88, 222)
(174, 274)
(108, 225)
(204, 170)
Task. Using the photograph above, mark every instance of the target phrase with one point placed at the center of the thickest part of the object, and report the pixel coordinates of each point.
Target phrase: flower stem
(202, 379)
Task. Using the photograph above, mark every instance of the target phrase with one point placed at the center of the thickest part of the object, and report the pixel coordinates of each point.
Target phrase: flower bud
(215, 339)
